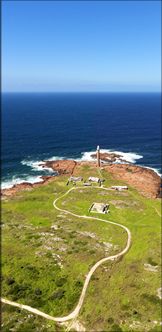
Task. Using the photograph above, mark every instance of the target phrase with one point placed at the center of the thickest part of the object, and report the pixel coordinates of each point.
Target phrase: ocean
(50, 126)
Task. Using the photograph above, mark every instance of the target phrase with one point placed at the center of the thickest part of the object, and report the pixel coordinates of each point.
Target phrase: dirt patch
(74, 325)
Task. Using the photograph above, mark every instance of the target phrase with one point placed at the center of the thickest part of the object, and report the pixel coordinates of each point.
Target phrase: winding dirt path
(76, 311)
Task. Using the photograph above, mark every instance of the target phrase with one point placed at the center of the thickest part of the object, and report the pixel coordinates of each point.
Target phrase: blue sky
(81, 46)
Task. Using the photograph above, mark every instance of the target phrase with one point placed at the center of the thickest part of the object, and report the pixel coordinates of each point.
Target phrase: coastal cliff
(145, 180)
(61, 166)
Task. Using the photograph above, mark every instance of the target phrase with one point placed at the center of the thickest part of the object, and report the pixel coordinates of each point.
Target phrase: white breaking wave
(86, 156)
(125, 156)
(16, 180)
(35, 165)
(56, 158)
(129, 157)
(38, 166)
(157, 171)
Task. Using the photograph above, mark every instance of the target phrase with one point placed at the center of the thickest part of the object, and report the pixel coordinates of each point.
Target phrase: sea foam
(38, 166)
(157, 171)
(7, 184)
(130, 157)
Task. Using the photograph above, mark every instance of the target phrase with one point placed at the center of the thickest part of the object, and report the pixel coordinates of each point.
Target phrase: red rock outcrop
(61, 166)
(109, 157)
(25, 186)
(145, 180)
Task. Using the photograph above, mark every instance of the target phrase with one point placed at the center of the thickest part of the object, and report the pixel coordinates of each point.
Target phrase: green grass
(46, 267)
(22, 321)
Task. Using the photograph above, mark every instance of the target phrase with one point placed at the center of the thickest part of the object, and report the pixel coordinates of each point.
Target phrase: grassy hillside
(47, 254)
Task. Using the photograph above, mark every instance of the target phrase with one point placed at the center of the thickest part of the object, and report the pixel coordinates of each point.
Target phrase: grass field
(46, 255)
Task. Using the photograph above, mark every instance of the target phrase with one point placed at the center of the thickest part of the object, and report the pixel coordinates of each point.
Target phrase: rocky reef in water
(109, 157)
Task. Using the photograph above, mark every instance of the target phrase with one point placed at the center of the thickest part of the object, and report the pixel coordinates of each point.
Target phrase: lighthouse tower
(98, 156)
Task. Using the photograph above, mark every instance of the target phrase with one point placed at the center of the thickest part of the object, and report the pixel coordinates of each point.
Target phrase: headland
(145, 180)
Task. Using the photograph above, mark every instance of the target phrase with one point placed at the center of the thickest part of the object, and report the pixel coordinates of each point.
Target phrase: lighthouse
(98, 156)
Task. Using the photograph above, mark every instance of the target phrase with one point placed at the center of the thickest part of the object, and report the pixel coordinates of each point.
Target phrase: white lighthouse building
(98, 156)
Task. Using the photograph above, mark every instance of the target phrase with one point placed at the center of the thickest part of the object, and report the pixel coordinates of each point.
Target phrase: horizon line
(144, 91)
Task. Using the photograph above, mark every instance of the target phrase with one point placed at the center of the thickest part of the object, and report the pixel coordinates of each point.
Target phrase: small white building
(75, 179)
(99, 208)
(93, 179)
(119, 188)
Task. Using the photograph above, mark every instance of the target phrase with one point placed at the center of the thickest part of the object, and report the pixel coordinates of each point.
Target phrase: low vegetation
(47, 254)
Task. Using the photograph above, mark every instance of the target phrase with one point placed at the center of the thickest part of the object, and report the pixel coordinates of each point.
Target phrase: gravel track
(75, 312)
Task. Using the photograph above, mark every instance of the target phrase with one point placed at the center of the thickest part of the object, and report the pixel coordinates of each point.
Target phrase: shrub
(92, 251)
(38, 291)
(61, 281)
(72, 298)
(79, 283)
(76, 250)
(57, 295)
(94, 277)
(71, 236)
(135, 312)
(152, 298)
(10, 281)
(110, 320)
(116, 328)
(31, 270)
(49, 254)
(18, 290)
(26, 327)
(152, 262)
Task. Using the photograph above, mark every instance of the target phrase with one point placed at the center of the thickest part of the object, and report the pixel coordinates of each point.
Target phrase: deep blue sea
(43, 126)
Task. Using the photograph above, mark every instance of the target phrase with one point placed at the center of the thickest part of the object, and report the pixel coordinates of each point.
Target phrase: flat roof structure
(119, 187)
(76, 178)
(99, 208)
(93, 179)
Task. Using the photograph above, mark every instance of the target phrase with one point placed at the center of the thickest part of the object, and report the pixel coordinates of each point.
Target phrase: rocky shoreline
(145, 180)
(109, 157)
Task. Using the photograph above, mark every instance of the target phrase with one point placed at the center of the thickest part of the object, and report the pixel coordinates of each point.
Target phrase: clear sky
(81, 45)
